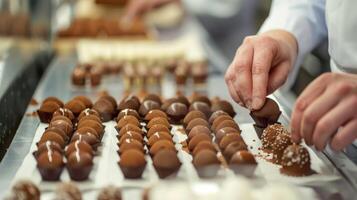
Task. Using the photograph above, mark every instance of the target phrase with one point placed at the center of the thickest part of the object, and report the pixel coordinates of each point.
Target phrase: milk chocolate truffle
(166, 163)
(201, 98)
(79, 146)
(85, 100)
(206, 163)
(176, 112)
(25, 190)
(227, 123)
(46, 111)
(161, 144)
(242, 157)
(296, 161)
(110, 193)
(158, 120)
(88, 130)
(130, 135)
(229, 138)
(88, 137)
(232, 148)
(53, 99)
(157, 128)
(68, 191)
(79, 165)
(148, 105)
(132, 163)
(110, 99)
(52, 136)
(128, 120)
(131, 102)
(193, 115)
(216, 114)
(130, 144)
(48, 146)
(153, 97)
(75, 106)
(105, 108)
(89, 112)
(268, 114)
(98, 127)
(63, 125)
(201, 106)
(128, 112)
(59, 132)
(64, 112)
(223, 131)
(60, 117)
(198, 130)
(224, 106)
(129, 127)
(79, 76)
(282, 141)
(154, 113)
(50, 165)
(203, 145)
(269, 135)
(218, 120)
(197, 139)
(196, 122)
(158, 136)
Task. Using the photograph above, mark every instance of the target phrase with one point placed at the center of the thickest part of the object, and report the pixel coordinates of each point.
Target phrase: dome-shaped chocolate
(148, 105)
(296, 161)
(177, 111)
(201, 106)
(193, 115)
(85, 100)
(166, 163)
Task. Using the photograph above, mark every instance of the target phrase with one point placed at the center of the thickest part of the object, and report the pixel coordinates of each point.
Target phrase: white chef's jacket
(310, 21)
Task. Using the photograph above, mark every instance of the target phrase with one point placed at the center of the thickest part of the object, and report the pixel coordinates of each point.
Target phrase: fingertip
(257, 103)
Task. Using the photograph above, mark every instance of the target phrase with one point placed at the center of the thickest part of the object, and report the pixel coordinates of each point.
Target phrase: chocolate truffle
(130, 144)
(50, 165)
(201, 106)
(218, 120)
(52, 136)
(229, 138)
(60, 117)
(201, 98)
(161, 144)
(98, 127)
(89, 138)
(153, 97)
(75, 106)
(53, 99)
(242, 157)
(232, 148)
(95, 76)
(227, 123)
(223, 131)
(158, 120)
(110, 99)
(224, 106)
(68, 191)
(193, 115)
(166, 163)
(88, 130)
(78, 76)
(155, 113)
(129, 127)
(64, 112)
(296, 161)
(128, 120)
(59, 132)
(206, 163)
(79, 146)
(79, 164)
(176, 112)
(127, 112)
(183, 99)
(132, 163)
(168, 102)
(148, 105)
(282, 141)
(63, 125)
(131, 135)
(216, 114)
(25, 190)
(203, 145)
(198, 130)
(197, 139)
(269, 135)
(85, 100)
(110, 193)
(105, 108)
(158, 136)
(48, 146)
(131, 102)
(196, 122)
(157, 128)
(89, 112)
(268, 114)
(46, 111)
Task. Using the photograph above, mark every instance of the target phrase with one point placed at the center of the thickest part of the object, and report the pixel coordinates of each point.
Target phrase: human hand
(260, 66)
(326, 112)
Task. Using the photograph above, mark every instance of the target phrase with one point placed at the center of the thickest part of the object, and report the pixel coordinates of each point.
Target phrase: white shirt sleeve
(216, 8)
(305, 19)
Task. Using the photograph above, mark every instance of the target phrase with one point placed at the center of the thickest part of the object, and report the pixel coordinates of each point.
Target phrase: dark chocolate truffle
(25, 190)
(89, 138)
(193, 115)
(110, 99)
(229, 138)
(48, 146)
(196, 122)
(130, 144)
(110, 193)
(268, 114)
(148, 105)
(79, 146)
(98, 127)
(63, 125)
(50, 165)
(88, 112)
(269, 135)
(176, 112)
(127, 112)
(197, 139)
(166, 163)
(132, 163)
(201, 106)
(216, 114)
(242, 157)
(168, 102)
(57, 131)
(224, 106)
(183, 99)
(105, 108)
(206, 163)
(85, 100)
(53, 99)
(131, 102)
(129, 127)
(201, 98)
(52, 136)
(158, 136)
(296, 161)
(161, 144)
(153, 97)
(198, 130)
(88, 130)
(232, 148)
(158, 120)
(131, 135)
(79, 164)
(203, 145)
(64, 112)
(75, 106)
(46, 111)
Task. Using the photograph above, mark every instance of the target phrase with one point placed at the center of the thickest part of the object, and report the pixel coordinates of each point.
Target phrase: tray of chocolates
(138, 142)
